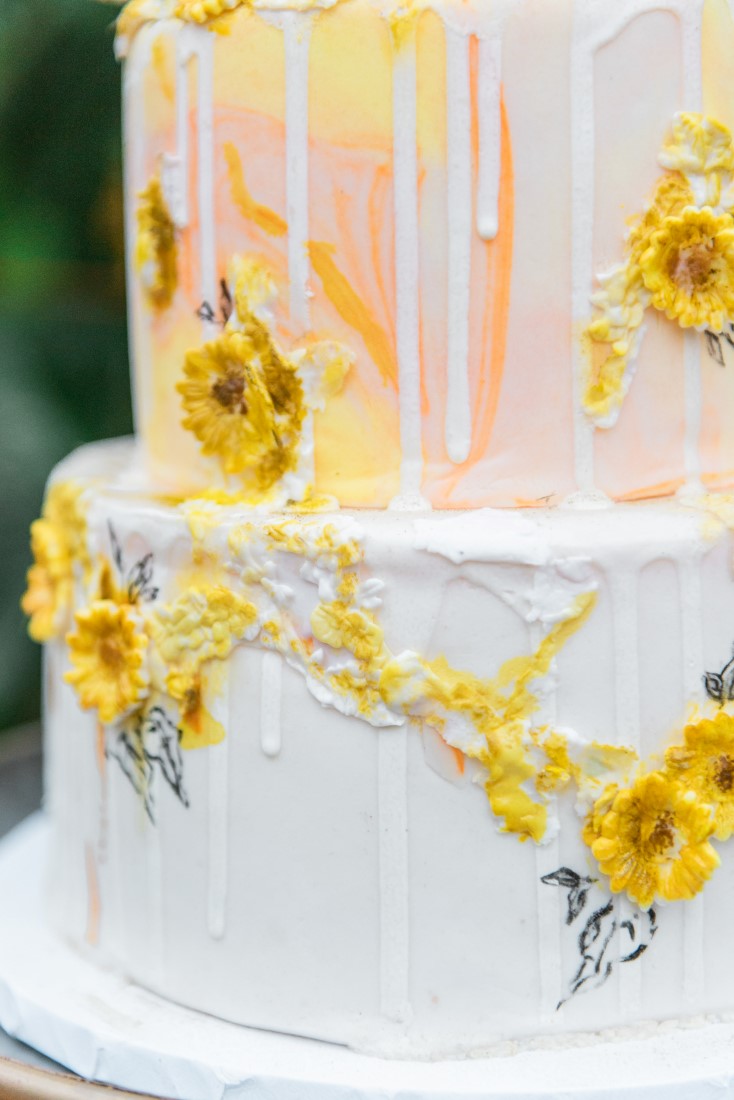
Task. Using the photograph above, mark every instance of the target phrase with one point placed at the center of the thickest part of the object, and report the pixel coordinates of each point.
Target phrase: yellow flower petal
(107, 652)
(652, 840)
(689, 269)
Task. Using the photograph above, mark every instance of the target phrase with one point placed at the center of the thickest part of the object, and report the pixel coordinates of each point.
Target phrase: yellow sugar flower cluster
(680, 261)
(58, 543)
(653, 838)
(136, 13)
(201, 626)
(246, 401)
(156, 251)
(201, 11)
(344, 627)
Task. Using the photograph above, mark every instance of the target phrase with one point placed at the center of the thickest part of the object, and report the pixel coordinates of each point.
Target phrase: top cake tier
(454, 253)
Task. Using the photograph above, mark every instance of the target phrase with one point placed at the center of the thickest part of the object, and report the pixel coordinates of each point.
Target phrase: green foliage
(64, 376)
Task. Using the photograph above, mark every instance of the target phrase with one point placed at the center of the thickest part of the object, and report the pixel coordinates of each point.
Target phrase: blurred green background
(63, 352)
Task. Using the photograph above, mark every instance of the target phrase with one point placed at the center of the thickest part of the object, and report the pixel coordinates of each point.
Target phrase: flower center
(692, 266)
(662, 835)
(724, 773)
(229, 391)
(110, 654)
(191, 701)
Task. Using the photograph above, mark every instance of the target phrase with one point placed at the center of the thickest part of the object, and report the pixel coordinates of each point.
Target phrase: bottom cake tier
(417, 783)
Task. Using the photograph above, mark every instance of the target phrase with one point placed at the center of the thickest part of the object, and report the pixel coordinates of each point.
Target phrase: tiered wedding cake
(389, 693)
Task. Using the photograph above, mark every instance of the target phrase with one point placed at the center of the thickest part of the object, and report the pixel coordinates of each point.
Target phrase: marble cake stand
(105, 1029)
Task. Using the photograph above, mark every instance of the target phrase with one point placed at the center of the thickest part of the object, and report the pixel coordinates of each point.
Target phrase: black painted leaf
(714, 348)
(714, 686)
(564, 876)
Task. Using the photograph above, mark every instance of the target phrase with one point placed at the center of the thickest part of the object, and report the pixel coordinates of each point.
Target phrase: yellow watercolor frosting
(156, 251)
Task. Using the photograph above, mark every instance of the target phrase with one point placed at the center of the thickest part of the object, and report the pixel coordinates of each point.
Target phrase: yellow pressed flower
(705, 764)
(689, 268)
(108, 653)
(198, 727)
(58, 543)
(48, 595)
(340, 626)
(156, 251)
(244, 403)
(652, 840)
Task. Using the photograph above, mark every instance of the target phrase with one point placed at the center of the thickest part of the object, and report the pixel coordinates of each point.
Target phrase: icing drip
(623, 590)
(270, 694)
(138, 322)
(407, 274)
(693, 411)
(490, 143)
(204, 46)
(154, 870)
(218, 796)
(392, 772)
(547, 858)
(296, 36)
(458, 398)
(582, 234)
(176, 167)
(691, 603)
(590, 33)
(691, 17)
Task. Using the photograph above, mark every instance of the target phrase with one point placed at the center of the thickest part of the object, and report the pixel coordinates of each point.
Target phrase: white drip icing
(204, 47)
(392, 773)
(270, 698)
(582, 236)
(296, 39)
(490, 137)
(459, 197)
(405, 156)
(547, 860)
(691, 603)
(138, 322)
(623, 586)
(694, 411)
(154, 869)
(176, 167)
(596, 23)
(218, 797)
(691, 17)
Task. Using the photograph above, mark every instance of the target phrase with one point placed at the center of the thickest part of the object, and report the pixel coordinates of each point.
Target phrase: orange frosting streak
(262, 216)
(93, 905)
(100, 754)
(337, 287)
(352, 309)
(459, 758)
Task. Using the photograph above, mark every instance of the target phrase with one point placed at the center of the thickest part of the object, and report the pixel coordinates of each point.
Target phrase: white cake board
(99, 1025)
